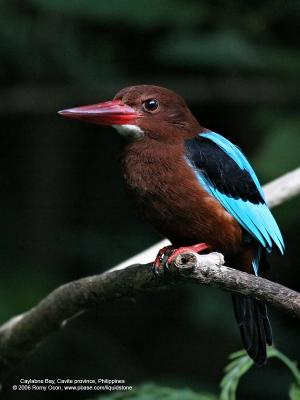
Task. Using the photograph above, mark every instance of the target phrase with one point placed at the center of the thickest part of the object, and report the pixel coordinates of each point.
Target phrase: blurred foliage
(239, 365)
(229, 48)
(151, 391)
(64, 211)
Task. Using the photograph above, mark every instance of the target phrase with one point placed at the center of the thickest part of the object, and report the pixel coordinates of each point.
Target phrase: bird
(196, 188)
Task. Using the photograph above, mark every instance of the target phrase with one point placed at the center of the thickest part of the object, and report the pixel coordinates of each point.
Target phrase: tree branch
(21, 334)
(283, 188)
(209, 270)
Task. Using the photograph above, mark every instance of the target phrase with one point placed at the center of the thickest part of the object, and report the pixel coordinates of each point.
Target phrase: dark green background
(64, 211)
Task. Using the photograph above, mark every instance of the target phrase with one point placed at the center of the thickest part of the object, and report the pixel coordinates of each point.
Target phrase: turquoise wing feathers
(223, 170)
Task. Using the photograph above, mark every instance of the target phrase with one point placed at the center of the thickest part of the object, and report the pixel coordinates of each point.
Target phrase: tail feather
(254, 324)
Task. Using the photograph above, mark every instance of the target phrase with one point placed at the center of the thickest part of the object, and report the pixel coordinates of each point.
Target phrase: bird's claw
(167, 255)
(160, 265)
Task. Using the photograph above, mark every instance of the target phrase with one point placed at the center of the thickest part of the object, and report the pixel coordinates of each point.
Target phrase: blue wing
(223, 170)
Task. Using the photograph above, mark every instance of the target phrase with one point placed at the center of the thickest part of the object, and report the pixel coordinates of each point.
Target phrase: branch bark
(209, 270)
(21, 334)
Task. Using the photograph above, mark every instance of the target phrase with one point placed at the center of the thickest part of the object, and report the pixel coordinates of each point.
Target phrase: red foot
(197, 248)
(168, 254)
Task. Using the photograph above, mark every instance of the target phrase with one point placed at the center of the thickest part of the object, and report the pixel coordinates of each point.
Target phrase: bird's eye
(150, 105)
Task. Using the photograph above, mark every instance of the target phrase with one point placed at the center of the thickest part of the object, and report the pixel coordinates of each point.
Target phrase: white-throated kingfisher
(196, 188)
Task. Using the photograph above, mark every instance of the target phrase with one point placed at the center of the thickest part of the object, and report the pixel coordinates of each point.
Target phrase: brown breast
(169, 196)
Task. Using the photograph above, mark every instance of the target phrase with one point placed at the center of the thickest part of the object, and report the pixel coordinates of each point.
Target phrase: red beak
(113, 112)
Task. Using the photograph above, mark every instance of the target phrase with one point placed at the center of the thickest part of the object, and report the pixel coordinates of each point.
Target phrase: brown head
(142, 112)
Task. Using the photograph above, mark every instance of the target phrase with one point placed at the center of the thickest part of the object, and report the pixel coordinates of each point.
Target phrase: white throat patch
(130, 131)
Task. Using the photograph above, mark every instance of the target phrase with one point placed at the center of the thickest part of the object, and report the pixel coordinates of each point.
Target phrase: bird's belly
(184, 212)
(187, 225)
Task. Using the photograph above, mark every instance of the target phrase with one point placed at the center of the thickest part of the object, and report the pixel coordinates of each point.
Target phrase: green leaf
(241, 363)
(234, 371)
(294, 392)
